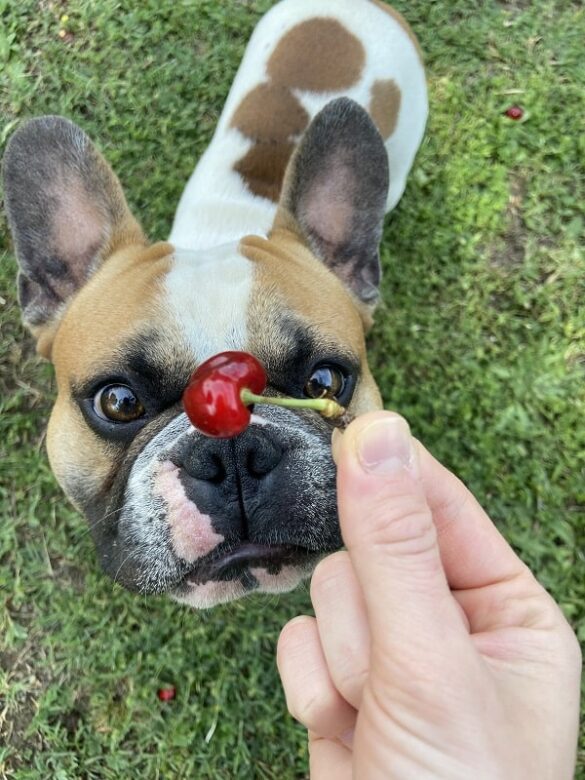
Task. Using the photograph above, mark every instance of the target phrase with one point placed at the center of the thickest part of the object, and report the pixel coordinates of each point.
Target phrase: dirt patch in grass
(25, 672)
(514, 6)
(511, 250)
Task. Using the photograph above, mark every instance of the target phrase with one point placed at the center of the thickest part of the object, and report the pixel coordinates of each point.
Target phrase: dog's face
(126, 323)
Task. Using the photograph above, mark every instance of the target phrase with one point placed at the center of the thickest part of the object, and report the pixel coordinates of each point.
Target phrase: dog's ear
(66, 211)
(335, 189)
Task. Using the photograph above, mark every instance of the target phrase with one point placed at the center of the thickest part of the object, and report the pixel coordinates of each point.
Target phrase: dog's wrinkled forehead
(192, 304)
(150, 315)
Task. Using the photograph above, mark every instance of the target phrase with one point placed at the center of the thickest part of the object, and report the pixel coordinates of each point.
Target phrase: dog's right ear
(335, 190)
(67, 213)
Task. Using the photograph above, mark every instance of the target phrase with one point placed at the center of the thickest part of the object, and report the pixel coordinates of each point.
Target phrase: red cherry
(212, 399)
(514, 112)
(167, 694)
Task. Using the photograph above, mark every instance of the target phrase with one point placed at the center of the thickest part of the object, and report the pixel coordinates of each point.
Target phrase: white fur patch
(286, 579)
(207, 293)
(216, 205)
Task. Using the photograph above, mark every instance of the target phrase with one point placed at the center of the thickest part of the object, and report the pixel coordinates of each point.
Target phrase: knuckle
(402, 522)
(312, 704)
(350, 676)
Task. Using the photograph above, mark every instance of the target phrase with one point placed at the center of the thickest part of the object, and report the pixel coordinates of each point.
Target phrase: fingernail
(335, 444)
(385, 447)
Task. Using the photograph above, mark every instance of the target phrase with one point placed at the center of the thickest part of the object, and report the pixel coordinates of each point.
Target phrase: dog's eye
(117, 403)
(325, 382)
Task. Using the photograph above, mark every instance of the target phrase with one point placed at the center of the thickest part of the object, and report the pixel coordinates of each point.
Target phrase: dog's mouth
(232, 563)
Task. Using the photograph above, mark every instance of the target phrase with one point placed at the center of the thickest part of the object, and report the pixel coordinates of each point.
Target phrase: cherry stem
(326, 406)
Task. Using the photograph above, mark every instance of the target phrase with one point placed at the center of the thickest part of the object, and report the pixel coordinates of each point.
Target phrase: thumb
(388, 529)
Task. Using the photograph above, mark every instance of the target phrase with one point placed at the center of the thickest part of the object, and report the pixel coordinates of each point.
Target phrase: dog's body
(274, 250)
(302, 55)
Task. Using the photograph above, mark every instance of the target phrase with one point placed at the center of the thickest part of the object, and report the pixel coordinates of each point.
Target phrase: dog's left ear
(335, 188)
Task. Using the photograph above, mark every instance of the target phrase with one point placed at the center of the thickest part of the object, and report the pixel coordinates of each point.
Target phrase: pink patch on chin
(208, 594)
(287, 579)
(191, 531)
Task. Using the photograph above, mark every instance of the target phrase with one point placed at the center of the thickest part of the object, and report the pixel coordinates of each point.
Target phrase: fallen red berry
(167, 694)
(212, 399)
(514, 112)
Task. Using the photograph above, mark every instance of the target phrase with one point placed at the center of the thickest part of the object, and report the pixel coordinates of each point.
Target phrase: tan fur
(109, 309)
(402, 22)
(319, 55)
(385, 106)
(117, 299)
(81, 461)
(270, 113)
(289, 277)
(45, 336)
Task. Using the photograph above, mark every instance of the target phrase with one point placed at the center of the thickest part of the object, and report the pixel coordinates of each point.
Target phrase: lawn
(480, 342)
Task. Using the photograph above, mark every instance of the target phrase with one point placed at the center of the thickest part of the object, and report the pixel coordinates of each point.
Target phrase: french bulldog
(274, 250)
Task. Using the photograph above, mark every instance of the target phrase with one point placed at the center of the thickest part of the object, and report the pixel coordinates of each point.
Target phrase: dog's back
(302, 54)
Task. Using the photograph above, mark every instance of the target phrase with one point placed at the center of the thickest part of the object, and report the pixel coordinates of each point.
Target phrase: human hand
(434, 652)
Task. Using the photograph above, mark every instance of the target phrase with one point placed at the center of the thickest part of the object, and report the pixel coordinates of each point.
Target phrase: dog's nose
(254, 454)
(257, 454)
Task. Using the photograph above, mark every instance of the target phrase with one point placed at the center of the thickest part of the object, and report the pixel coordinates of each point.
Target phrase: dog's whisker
(82, 533)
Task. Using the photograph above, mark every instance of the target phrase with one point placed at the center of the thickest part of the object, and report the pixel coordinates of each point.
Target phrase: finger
(388, 529)
(343, 625)
(311, 696)
(473, 551)
(329, 760)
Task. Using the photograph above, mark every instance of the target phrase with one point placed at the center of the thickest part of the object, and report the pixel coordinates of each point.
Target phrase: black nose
(254, 454)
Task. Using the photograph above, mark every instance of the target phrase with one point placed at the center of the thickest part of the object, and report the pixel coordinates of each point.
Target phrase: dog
(274, 250)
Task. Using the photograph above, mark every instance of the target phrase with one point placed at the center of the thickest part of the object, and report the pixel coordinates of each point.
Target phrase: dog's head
(125, 324)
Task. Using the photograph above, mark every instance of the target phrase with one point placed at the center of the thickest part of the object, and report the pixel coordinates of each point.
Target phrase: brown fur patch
(289, 277)
(270, 113)
(319, 55)
(263, 168)
(402, 22)
(385, 106)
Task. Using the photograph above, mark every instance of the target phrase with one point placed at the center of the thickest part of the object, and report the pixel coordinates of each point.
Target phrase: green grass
(480, 343)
